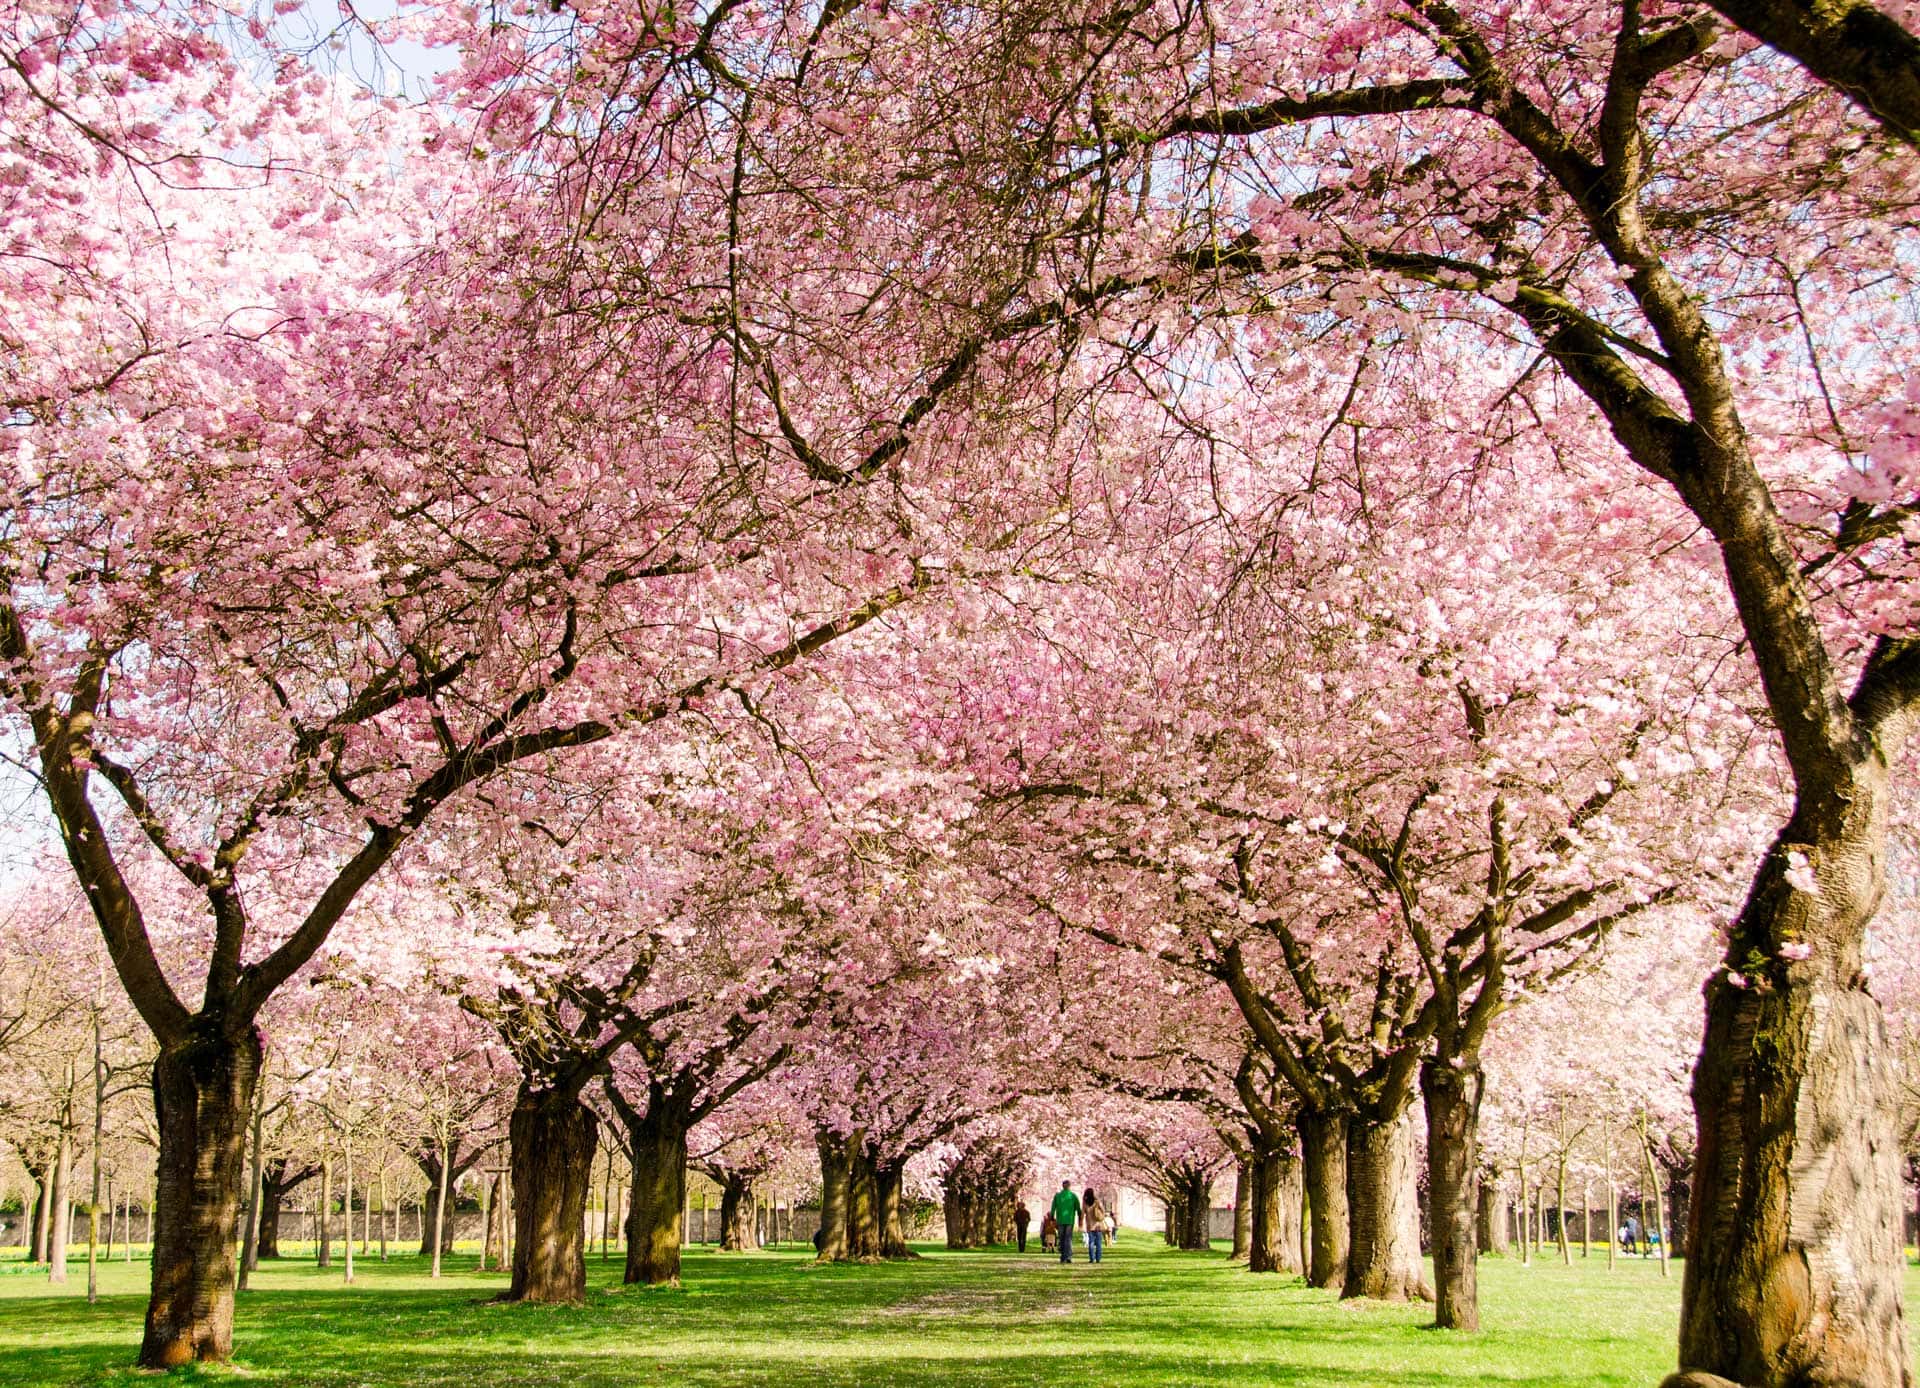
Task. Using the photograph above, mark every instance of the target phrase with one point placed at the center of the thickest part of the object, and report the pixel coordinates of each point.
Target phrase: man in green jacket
(1066, 1209)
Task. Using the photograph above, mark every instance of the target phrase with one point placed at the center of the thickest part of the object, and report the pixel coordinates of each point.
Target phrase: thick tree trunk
(1383, 1261)
(1492, 1218)
(863, 1202)
(1452, 1098)
(551, 1138)
(1274, 1203)
(834, 1174)
(1794, 1264)
(737, 1231)
(1323, 1146)
(203, 1098)
(1290, 1245)
(659, 1142)
(1259, 1188)
(1196, 1218)
(888, 1177)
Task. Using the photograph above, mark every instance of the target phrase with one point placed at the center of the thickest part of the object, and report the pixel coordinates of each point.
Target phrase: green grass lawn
(1148, 1316)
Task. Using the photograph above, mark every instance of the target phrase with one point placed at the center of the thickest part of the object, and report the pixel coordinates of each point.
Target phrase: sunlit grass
(1148, 1316)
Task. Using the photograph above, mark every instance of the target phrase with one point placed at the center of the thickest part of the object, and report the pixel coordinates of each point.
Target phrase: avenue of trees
(868, 595)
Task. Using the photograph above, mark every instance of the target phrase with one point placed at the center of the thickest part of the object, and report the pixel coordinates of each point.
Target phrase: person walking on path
(1066, 1209)
(1022, 1217)
(1095, 1215)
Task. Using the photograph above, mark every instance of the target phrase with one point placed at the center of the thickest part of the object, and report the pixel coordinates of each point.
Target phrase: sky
(402, 68)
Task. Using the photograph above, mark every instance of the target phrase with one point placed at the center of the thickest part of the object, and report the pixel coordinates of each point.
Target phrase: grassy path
(1148, 1316)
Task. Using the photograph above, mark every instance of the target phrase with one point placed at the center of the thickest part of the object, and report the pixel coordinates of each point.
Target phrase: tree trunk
(1793, 1272)
(1290, 1247)
(1491, 1217)
(551, 1139)
(1323, 1145)
(659, 1144)
(737, 1232)
(1196, 1219)
(834, 1174)
(256, 1191)
(1452, 1098)
(42, 1213)
(1383, 1261)
(1560, 1211)
(440, 1237)
(273, 1193)
(203, 1098)
(346, 1208)
(1243, 1215)
(863, 1202)
(61, 1199)
(323, 1231)
(1273, 1241)
(888, 1177)
(431, 1167)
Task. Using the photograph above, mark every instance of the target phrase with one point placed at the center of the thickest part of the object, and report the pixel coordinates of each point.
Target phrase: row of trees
(729, 514)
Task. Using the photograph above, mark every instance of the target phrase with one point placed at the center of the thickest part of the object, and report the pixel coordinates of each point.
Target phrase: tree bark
(1243, 1214)
(1196, 1216)
(863, 1202)
(834, 1174)
(1290, 1245)
(203, 1098)
(439, 1238)
(1323, 1145)
(737, 1231)
(42, 1213)
(1491, 1217)
(1452, 1098)
(61, 1200)
(275, 1186)
(323, 1233)
(551, 1139)
(1273, 1213)
(1794, 1260)
(256, 1192)
(1383, 1260)
(659, 1145)
(430, 1165)
(888, 1177)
